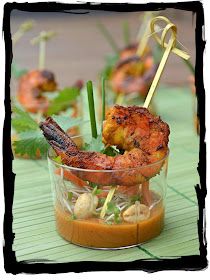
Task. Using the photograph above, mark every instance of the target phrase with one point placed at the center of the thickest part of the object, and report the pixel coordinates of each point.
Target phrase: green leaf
(73, 217)
(66, 122)
(22, 121)
(63, 100)
(70, 195)
(95, 145)
(112, 208)
(29, 142)
(101, 200)
(135, 198)
(58, 159)
(110, 151)
(92, 185)
(96, 191)
(30, 137)
(117, 218)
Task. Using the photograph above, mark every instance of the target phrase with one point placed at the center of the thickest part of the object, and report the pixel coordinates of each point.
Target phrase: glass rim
(104, 170)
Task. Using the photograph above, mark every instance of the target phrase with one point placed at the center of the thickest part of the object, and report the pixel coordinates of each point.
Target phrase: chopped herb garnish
(96, 191)
(58, 159)
(110, 151)
(101, 200)
(135, 198)
(73, 217)
(117, 219)
(92, 185)
(95, 145)
(70, 196)
(113, 209)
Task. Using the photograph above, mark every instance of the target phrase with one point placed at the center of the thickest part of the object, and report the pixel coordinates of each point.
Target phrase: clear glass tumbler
(132, 214)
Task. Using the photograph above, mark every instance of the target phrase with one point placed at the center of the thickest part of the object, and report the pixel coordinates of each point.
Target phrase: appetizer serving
(109, 189)
(111, 201)
(38, 90)
(31, 88)
(112, 195)
(143, 137)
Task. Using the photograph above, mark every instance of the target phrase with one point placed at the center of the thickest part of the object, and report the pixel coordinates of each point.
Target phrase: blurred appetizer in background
(38, 91)
(130, 71)
(38, 95)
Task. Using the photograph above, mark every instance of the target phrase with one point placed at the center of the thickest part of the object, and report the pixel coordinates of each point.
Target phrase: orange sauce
(95, 233)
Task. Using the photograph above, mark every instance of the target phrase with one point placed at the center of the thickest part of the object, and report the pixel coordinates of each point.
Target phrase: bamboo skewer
(169, 47)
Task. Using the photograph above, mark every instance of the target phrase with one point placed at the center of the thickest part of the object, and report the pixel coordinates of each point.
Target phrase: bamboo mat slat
(34, 225)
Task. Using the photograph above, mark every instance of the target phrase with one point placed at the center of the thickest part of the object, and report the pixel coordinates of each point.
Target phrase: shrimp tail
(57, 138)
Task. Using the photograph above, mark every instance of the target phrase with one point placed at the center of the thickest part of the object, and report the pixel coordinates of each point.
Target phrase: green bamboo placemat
(34, 226)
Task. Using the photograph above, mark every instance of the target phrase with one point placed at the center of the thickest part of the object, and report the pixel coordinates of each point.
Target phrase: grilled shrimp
(134, 127)
(124, 166)
(128, 51)
(131, 49)
(132, 73)
(31, 87)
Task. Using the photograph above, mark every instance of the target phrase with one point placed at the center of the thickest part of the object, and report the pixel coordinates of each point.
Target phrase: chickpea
(85, 205)
(136, 213)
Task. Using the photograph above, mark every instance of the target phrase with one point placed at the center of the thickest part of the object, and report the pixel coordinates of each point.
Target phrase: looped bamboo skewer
(161, 41)
(169, 47)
